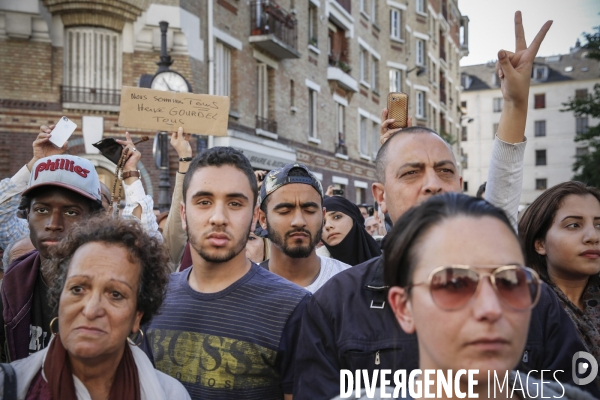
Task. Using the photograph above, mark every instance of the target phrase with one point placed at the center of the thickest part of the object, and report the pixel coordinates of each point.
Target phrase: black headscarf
(358, 246)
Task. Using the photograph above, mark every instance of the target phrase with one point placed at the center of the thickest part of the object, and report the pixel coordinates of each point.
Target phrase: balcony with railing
(273, 29)
(266, 127)
(85, 98)
(443, 92)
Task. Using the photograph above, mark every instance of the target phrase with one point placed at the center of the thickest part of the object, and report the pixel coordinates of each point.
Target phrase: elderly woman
(110, 278)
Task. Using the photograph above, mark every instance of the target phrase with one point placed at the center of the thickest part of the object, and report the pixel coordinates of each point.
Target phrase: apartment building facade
(307, 79)
(550, 132)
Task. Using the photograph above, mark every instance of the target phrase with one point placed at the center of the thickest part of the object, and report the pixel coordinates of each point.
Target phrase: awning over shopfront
(263, 154)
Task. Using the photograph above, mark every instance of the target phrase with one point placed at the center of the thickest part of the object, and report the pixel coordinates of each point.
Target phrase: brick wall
(28, 71)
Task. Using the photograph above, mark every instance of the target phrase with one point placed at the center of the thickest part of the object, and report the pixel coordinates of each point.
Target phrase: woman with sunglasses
(560, 233)
(456, 276)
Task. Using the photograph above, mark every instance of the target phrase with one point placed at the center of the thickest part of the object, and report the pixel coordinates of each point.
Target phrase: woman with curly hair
(110, 278)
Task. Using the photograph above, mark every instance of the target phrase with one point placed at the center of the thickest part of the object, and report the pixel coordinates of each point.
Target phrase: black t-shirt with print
(41, 316)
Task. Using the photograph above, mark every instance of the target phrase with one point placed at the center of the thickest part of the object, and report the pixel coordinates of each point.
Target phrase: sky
(491, 25)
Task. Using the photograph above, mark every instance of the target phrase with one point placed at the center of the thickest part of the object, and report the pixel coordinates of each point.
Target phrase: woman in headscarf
(344, 232)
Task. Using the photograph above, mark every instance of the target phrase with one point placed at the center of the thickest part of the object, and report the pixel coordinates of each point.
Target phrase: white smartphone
(62, 131)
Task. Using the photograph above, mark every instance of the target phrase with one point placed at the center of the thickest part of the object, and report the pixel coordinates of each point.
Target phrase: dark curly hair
(143, 249)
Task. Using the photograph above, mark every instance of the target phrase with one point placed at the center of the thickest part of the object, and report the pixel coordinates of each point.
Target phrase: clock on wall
(171, 81)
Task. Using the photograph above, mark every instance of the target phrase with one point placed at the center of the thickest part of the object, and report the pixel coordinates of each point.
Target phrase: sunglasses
(454, 286)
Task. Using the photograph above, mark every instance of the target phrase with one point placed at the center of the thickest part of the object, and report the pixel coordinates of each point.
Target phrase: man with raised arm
(348, 325)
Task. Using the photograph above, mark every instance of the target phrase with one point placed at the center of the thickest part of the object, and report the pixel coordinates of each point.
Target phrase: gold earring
(140, 335)
(51, 323)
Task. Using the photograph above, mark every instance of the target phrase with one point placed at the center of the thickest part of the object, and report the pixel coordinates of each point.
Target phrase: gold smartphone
(397, 105)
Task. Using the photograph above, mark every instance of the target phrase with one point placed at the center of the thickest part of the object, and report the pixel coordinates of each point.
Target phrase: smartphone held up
(62, 131)
(397, 105)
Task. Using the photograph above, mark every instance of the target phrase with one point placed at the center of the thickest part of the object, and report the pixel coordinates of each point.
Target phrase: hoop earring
(140, 335)
(51, 323)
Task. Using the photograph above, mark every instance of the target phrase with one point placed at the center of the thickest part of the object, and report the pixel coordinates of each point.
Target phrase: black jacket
(348, 324)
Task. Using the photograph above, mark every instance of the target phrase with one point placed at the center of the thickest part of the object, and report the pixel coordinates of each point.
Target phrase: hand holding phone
(397, 106)
(62, 132)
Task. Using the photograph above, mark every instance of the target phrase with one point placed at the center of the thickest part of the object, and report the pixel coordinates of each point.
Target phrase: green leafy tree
(587, 166)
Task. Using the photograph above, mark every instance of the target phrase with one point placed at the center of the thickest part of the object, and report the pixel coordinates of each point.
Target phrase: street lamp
(160, 150)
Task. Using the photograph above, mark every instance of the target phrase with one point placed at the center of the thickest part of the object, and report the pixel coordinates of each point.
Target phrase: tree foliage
(587, 166)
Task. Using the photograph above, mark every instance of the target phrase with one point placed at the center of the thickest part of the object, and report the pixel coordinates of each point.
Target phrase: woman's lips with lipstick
(591, 254)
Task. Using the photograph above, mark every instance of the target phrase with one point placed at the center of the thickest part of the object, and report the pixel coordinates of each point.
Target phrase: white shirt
(329, 267)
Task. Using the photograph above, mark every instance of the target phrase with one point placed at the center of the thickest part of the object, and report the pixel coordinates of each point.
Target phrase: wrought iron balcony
(266, 125)
(90, 98)
(273, 29)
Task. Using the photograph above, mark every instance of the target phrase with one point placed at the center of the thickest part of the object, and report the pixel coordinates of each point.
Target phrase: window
(395, 80)
(263, 91)
(498, 103)
(313, 24)
(540, 157)
(582, 151)
(361, 195)
(341, 121)
(375, 74)
(465, 186)
(540, 73)
(292, 93)
(364, 60)
(312, 113)
(466, 81)
(363, 6)
(539, 101)
(374, 11)
(433, 73)
(375, 141)
(541, 184)
(420, 113)
(581, 125)
(540, 128)
(463, 136)
(92, 66)
(364, 136)
(463, 104)
(581, 94)
(395, 24)
(495, 130)
(222, 70)
(420, 52)
(420, 4)
(464, 159)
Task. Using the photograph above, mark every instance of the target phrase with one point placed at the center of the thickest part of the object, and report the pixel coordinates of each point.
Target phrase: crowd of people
(262, 285)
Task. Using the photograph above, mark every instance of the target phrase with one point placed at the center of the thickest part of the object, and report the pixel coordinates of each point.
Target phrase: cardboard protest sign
(158, 110)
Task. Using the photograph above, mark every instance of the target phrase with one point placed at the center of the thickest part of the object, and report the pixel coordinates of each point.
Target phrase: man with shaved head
(412, 165)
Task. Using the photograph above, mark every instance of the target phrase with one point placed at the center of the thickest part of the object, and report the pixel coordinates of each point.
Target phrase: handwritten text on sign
(166, 111)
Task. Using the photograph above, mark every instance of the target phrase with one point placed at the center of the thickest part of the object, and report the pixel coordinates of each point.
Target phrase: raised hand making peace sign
(514, 69)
